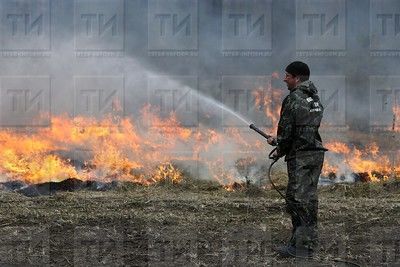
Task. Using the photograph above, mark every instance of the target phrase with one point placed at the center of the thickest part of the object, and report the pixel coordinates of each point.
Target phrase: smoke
(154, 53)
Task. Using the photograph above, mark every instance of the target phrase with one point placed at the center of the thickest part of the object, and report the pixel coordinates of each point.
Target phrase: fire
(34, 167)
(338, 147)
(234, 186)
(147, 149)
(367, 161)
(142, 151)
(268, 99)
(167, 172)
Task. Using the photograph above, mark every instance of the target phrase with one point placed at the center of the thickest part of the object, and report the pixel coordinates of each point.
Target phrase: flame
(338, 147)
(269, 100)
(34, 167)
(142, 151)
(368, 160)
(235, 186)
(167, 172)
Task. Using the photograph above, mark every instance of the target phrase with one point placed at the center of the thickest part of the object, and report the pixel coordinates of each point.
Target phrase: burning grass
(117, 149)
(103, 151)
(151, 148)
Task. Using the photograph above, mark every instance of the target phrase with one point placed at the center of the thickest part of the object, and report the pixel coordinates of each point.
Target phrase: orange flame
(368, 161)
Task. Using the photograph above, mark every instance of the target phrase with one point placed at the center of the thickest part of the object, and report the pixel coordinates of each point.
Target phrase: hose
(290, 203)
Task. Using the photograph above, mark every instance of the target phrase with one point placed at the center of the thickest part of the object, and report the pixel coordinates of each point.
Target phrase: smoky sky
(215, 39)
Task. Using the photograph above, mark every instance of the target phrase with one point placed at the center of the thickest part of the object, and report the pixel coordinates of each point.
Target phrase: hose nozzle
(253, 127)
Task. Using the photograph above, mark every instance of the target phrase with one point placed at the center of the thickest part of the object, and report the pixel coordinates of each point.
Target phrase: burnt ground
(194, 224)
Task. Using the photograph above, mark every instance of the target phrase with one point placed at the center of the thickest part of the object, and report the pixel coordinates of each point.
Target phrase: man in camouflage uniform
(299, 141)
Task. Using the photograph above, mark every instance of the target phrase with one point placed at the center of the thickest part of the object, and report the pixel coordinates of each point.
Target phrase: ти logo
(390, 23)
(175, 26)
(25, 245)
(99, 26)
(177, 98)
(164, 247)
(385, 27)
(247, 28)
(96, 246)
(332, 93)
(174, 95)
(25, 101)
(25, 25)
(320, 20)
(250, 96)
(384, 100)
(172, 27)
(99, 96)
(250, 26)
(320, 27)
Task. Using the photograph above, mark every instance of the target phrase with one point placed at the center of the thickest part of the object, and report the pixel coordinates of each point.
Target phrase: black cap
(298, 68)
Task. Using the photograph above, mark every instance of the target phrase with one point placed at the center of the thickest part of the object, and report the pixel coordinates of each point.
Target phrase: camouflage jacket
(300, 118)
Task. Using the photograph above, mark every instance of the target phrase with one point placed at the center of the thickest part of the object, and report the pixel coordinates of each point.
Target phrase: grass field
(195, 224)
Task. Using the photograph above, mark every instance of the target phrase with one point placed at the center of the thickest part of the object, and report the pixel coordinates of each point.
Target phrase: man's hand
(272, 141)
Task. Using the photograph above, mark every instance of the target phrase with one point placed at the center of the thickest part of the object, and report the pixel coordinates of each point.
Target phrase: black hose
(290, 203)
(274, 160)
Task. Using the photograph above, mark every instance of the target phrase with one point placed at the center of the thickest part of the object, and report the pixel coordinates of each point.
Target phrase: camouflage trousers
(302, 198)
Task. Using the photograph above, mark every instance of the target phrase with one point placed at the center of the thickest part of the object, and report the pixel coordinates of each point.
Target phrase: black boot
(290, 251)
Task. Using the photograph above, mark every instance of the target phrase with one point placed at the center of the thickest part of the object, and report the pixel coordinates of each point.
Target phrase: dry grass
(195, 223)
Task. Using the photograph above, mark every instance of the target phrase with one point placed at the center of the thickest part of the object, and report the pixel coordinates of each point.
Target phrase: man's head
(296, 72)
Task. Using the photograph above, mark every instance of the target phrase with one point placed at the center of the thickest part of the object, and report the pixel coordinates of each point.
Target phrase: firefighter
(299, 141)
